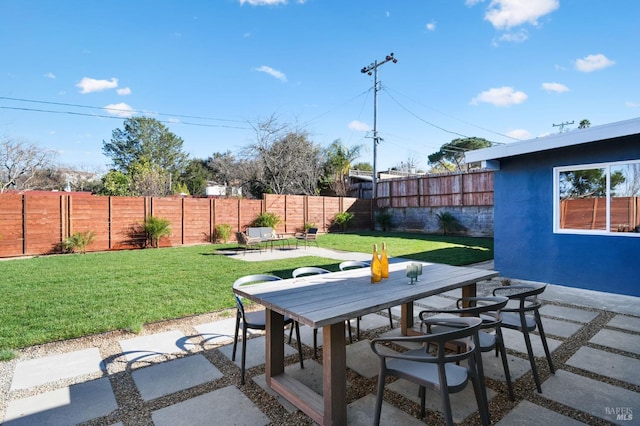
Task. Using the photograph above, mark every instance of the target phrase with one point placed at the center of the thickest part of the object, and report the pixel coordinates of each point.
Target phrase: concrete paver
(361, 412)
(255, 351)
(144, 348)
(589, 396)
(625, 322)
(554, 327)
(219, 332)
(226, 406)
(39, 371)
(617, 340)
(607, 364)
(64, 406)
(173, 376)
(528, 413)
(515, 340)
(571, 314)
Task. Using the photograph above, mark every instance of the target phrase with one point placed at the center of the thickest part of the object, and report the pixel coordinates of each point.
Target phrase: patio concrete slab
(493, 369)
(554, 327)
(433, 302)
(362, 360)
(463, 403)
(373, 322)
(144, 348)
(528, 413)
(607, 364)
(219, 332)
(362, 412)
(617, 340)
(35, 372)
(306, 335)
(619, 303)
(515, 340)
(173, 376)
(226, 406)
(590, 396)
(625, 322)
(572, 314)
(255, 351)
(64, 406)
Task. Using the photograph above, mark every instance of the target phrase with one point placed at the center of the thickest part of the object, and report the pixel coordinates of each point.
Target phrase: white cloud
(519, 134)
(431, 26)
(630, 104)
(505, 14)
(88, 85)
(515, 37)
(124, 91)
(555, 87)
(272, 72)
(500, 96)
(472, 2)
(593, 62)
(359, 126)
(263, 2)
(120, 110)
(50, 75)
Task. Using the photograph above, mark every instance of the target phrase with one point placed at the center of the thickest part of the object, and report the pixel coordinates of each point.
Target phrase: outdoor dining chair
(487, 309)
(354, 264)
(256, 320)
(441, 372)
(313, 270)
(311, 235)
(525, 317)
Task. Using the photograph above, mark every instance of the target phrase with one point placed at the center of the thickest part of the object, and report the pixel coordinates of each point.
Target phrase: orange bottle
(384, 262)
(376, 266)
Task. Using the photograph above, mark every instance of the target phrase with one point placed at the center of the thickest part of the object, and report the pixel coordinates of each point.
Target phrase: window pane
(583, 202)
(625, 193)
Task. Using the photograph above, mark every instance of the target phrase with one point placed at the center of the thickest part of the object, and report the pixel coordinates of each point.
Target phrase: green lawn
(60, 297)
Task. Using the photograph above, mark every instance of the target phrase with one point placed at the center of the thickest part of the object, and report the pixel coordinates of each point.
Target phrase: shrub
(78, 242)
(385, 220)
(343, 219)
(449, 223)
(156, 228)
(222, 233)
(307, 226)
(267, 220)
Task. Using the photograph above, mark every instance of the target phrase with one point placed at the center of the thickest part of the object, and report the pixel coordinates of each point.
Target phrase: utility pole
(561, 125)
(373, 69)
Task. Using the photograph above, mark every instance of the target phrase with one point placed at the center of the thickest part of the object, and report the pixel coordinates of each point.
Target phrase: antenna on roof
(562, 125)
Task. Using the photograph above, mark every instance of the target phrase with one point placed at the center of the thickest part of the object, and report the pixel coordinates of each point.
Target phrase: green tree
(149, 179)
(587, 183)
(195, 176)
(452, 153)
(115, 183)
(363, 166)
(145, 139)
(339, 159)
(584, 124)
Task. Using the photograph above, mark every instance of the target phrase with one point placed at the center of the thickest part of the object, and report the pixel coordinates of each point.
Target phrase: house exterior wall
(525, 244)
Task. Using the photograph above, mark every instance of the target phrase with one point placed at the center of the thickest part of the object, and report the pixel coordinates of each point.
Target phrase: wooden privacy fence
(32, 224)
(447, 190)
(591, 213)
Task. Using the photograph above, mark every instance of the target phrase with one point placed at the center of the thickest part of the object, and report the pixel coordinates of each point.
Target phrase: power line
(84, 114)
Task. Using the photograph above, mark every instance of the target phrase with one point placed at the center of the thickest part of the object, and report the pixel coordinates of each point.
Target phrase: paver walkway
(181, 373)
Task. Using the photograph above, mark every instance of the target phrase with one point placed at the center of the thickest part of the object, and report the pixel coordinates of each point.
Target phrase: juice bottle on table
(384, 262)
(376, 266)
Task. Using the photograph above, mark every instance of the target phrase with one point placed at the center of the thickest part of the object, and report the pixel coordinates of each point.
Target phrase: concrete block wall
(477, 219)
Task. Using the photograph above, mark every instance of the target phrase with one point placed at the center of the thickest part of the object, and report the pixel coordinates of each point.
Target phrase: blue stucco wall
(525, 245)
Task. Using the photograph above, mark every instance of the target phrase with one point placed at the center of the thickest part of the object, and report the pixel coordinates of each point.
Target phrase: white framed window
(599, 199)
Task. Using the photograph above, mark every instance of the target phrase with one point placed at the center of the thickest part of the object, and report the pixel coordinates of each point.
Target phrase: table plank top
(325, 299)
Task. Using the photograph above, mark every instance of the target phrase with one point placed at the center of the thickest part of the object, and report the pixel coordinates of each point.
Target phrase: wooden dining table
(326, 301)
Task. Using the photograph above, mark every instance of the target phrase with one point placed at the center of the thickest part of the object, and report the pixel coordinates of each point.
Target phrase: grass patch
(61, 297)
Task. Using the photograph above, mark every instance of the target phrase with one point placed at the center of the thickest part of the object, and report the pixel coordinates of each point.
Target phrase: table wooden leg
(469, 290)
(334, 382)
(406, 318)
(274, 353)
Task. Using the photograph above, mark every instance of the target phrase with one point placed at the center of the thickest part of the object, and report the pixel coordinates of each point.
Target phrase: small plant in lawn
(343, 219)
(7, 354)
(222, 233)
(449, 223)
(156, 228)
(78, 242)
(266, 220)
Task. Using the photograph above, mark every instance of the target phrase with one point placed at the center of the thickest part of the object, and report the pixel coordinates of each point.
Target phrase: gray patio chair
(313, 270)
(440, 372)
(256, 320)
(525, 318)
(487, 309)
(354, 264)
(247, 242)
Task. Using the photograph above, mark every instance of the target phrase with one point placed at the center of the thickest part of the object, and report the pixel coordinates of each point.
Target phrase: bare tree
(19, 163)
(290, 162)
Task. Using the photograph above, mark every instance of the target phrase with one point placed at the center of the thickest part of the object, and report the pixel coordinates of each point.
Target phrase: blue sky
(72, 71)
